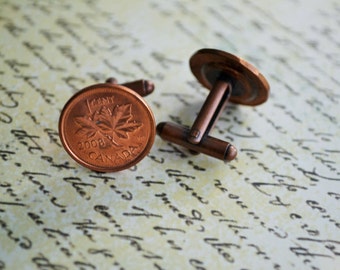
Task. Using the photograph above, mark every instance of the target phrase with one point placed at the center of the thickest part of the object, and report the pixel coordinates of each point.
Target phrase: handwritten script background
(275, 207)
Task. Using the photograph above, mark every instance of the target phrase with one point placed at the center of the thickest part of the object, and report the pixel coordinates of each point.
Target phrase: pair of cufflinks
(109, 127)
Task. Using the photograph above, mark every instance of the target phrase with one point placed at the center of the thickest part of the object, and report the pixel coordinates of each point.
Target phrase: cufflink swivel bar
(230, 78)
(141, 87)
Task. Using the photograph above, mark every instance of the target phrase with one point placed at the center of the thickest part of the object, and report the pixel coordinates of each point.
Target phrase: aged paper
(275, 207)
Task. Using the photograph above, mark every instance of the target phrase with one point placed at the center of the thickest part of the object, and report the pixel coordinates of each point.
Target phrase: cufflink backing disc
(107, 127)
(249, 86)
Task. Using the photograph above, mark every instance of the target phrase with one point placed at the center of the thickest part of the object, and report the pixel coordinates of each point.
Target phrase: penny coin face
(107, 128)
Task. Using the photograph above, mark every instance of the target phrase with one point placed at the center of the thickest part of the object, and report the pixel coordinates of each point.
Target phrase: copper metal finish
(209, 145)
(141, 87)
(107, 127)
(249, 86)
(210, 111)
(230, 78)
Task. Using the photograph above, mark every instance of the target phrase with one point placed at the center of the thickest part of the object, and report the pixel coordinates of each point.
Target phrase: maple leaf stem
(110, 138)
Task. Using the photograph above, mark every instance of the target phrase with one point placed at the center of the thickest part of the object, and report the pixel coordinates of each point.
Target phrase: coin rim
(63, 137)
(221, 60)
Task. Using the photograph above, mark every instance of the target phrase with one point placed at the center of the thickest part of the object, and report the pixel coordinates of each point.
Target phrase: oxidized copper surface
(107, 127)
(230, 78)
(249, 86)
(209, 145)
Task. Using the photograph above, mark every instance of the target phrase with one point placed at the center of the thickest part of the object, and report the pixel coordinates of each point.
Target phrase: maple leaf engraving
(88, 128)
(111, 124)
(122, 124)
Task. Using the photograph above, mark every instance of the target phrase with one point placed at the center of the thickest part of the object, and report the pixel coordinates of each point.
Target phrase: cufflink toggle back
(229, 78)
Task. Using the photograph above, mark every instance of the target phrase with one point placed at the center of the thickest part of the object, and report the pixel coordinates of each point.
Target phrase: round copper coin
(249, 86)
(107, 128)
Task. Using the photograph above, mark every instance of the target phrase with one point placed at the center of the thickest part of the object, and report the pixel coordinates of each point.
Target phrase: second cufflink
(230, 78)
(108, 127)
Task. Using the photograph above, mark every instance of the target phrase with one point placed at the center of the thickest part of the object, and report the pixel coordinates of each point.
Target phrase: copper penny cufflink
(229, 78)
(108, 127)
